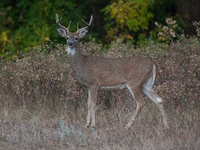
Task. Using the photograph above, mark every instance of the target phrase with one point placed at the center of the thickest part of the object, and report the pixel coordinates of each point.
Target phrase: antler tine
(77, 26)
(91, 18)
(58, 23)
(69, 25)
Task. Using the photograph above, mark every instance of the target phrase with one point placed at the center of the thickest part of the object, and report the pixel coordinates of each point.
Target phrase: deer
(137, 74)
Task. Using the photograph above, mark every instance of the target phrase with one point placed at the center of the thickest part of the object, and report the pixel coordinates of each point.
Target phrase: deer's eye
(76, 38)
(67, 38)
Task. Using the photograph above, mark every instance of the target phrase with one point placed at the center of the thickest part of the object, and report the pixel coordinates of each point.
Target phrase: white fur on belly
(120, 86)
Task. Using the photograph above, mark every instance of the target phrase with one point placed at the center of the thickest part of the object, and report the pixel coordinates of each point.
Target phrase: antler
(58, 23)
(91, 18)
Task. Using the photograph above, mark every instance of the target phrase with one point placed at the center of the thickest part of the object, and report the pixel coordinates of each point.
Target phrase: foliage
(197, 25)
(167, 33)
(125, 16)
(46, 78)
(26, 24)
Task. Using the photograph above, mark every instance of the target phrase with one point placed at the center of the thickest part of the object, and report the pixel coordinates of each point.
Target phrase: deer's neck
(75, 58)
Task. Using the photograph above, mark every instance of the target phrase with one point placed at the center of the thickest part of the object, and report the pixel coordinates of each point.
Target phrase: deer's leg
(158, 100)
(140, 104)
(92, 97)
(89, 109)
(94, 92)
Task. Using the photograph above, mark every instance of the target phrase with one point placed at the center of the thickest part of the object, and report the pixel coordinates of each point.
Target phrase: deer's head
(72, 38)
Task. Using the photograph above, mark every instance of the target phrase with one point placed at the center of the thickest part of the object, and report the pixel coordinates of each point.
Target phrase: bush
(47, 78)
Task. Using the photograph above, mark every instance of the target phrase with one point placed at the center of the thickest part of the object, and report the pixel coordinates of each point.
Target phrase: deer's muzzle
(70, 43)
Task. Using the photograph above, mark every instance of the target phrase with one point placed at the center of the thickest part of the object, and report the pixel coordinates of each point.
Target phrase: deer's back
(114, 71)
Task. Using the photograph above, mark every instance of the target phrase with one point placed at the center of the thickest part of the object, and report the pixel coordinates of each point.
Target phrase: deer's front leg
(89, 109)
(93, 105)
(92, 97)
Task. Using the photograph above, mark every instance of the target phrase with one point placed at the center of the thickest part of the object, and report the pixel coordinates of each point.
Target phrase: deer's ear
(62, 32)
(82, 32)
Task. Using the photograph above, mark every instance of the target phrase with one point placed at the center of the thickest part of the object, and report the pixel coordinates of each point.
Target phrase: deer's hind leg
(136, 94)
(148, 90)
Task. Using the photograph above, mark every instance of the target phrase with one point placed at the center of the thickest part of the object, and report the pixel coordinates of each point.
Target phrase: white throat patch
(70, 51)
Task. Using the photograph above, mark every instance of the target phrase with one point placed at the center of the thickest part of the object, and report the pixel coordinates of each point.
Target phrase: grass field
(43, 107)
(46, 130)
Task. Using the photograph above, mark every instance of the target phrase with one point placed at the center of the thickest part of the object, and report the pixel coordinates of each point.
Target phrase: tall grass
(44, 107)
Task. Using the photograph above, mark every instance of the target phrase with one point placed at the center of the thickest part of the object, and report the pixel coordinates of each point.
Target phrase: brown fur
(135, 73)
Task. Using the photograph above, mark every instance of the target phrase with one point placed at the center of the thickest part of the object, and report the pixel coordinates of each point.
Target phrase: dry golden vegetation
(43, 106)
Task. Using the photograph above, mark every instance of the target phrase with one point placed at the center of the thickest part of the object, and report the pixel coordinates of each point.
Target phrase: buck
(138, 74)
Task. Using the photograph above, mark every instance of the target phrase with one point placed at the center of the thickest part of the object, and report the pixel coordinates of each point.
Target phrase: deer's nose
(70, 43)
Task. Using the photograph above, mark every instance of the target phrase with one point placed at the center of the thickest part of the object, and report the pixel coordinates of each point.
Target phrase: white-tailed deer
(138, 74)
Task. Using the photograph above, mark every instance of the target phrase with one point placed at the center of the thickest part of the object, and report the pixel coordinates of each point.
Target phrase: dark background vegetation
(42, 105)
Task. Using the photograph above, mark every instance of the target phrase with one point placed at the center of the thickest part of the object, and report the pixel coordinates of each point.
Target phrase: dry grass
(67, 130)
(43, 107)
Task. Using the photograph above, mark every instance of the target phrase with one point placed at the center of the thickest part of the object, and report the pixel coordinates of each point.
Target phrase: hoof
(129, 124)
(87, 126)
(127, 127)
